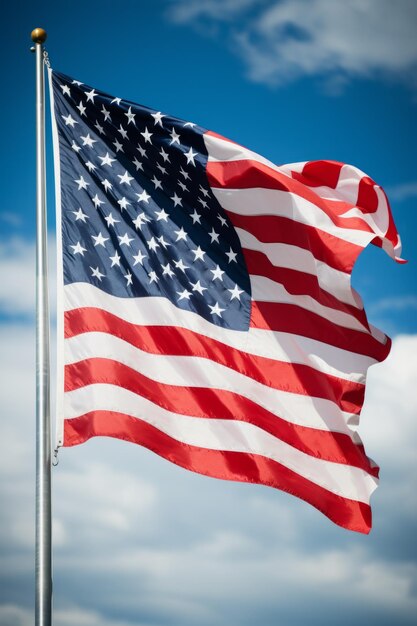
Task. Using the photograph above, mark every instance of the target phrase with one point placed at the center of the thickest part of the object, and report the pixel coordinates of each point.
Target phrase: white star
(195, 217)
(75, 147)
(107, 160)
(125, 178)
(183, 187)
(130, 116)
(140, 221)
(82, 184)
(162, 241)
(79, 215)
(143, 197)
(174, 137)
(217, 273)
(216, 310)
(90, 95)
(190, 156)
(161, 168)
(125, 239)
(81, 108)
(181, 234)
(99, 240)
(164, 155)
(118, 146)
(129, 279)
(235, 292)
(156, 182)
(162, 215)
(117, 101)
(202, 202)
(123, 203)
(158, 118)
(223, 222)
(65, 90)
(204, 191)
(69, 121)
(198, 254)
(176, 200)
(167, 270)
(106, 113)
(147, 135)
(77, 82)
(184, 173)
(88, 141)
(198, 287)
(115, 259)
(190, 124)
(96, 273)
(141, 150)
(184, 295)
(152, 245)
(139, 258)
(97, 202)
(138, 165)
(107, 184)
(110, 220)
(180, 265)
(153, 278)
(122, 131)
(78, 249)
(214, 236)
(99, 128)
(91, 167)
(232, 255)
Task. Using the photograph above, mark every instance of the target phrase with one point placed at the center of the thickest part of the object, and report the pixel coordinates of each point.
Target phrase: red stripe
(335, 252)
(298, 283)
(247, 174)
(217, 404)
(172, 340)
(236, 466)
(320, 173)
(367, 196)
(288, 318)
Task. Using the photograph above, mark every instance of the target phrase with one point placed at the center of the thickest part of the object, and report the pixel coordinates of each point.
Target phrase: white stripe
(285, 255)
(222, 150)
(266, 290)
(271, 344)
(217, 434)
(185, 371)
(260, 201)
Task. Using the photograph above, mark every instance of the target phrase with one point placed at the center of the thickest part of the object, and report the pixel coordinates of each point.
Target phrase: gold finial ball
(38, 35)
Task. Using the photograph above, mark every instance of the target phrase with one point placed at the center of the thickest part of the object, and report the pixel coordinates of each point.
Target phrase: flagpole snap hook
(55, 460)
(46, 58)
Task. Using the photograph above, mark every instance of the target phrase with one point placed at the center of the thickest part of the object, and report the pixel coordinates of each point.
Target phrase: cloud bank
(282, 41)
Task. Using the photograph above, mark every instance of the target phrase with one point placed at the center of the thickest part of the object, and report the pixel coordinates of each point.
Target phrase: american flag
(205, 309)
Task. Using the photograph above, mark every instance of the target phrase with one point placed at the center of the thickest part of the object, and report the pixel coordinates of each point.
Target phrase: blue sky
(139, 541)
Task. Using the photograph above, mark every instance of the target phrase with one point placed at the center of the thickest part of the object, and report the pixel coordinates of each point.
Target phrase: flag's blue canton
(138, 214)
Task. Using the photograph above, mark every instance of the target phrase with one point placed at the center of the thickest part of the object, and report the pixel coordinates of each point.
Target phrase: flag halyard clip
(46, 59)
(55, 460)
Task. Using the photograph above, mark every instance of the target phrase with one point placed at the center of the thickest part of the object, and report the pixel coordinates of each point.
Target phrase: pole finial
(38, 35)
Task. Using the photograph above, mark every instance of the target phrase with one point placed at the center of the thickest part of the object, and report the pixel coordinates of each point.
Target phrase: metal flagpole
(43, 552)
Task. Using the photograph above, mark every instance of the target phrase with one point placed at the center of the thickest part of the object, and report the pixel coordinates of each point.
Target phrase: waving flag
(205, 304)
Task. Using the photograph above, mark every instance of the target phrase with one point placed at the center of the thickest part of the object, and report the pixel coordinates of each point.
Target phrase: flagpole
(43, 550)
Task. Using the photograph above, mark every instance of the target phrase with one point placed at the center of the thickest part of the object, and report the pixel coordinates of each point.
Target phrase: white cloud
(281, 41)
(399, 193)
(137, 537)
(18, 266)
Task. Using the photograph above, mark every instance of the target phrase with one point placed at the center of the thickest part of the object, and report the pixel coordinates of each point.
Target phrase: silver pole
(43, 551)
